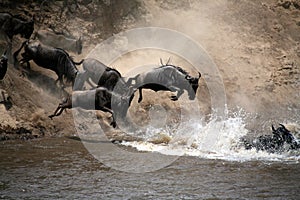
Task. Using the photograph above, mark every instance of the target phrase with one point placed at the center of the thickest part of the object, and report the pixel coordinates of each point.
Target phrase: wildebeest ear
(282, 126)
(273, 129)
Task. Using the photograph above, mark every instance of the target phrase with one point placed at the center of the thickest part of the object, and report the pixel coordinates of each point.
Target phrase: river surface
(62, 168)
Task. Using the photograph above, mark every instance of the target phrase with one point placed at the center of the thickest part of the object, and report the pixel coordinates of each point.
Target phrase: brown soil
(255, 44)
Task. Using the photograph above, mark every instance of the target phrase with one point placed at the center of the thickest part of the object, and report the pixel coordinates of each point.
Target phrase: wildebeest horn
(199, 74)
(161, 62)
(273, 129)
(282, 126)
(5, 52)
(168, 60)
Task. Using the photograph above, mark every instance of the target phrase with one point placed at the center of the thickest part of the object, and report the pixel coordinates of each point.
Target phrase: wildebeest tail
(78, 63)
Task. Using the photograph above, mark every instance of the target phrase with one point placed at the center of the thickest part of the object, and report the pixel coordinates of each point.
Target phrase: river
(62, 168)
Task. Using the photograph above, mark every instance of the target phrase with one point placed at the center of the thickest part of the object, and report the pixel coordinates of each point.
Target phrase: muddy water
(61, 168)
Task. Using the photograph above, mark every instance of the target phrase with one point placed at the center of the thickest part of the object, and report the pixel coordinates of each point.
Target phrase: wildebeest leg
(15, 55)
(62, 86)
(140, 95)
(8, 40)
(24, 60)
(24, 70)
(179, 93)
(113, 123)
(90, 83)
(57, 112)
(3, 96)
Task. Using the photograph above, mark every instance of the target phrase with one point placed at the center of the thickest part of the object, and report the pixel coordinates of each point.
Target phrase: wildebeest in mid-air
(59, 40)
(3, 65)
(167, 78)
(12, 25)
(55, 59)
(281, 139)
(100, 74)
(96, 99)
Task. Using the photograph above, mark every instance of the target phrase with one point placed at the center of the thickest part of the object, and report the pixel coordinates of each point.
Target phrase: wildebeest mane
(176, 67)
(113, 69)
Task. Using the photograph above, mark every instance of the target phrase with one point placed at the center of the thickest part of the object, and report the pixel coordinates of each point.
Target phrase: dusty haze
(254, 44)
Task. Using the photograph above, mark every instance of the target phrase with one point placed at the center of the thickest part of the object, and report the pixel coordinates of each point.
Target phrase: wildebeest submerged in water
(100, 74)
(3, 65)
(281, 140)
(55, 59)
(168, 78)
(12, 25)
(97, 99)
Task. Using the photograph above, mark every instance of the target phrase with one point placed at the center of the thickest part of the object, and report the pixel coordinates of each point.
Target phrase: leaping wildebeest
(100, 74)
(12, 25)
(97, 99)
(55, 59)
(167, 78)
(3, 65)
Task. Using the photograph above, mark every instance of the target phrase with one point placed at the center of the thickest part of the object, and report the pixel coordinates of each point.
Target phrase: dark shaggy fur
(55, 59)
(12, 25)
(168, 78)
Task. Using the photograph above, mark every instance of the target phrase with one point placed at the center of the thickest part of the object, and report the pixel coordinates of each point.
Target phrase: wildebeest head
(122, 100)
(25, 29)
(193, 85)
(283, 133)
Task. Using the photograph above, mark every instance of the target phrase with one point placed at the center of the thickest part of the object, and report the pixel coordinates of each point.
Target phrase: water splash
(217, 139)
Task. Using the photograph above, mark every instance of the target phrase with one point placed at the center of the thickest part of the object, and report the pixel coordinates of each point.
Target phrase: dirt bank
(256, 46)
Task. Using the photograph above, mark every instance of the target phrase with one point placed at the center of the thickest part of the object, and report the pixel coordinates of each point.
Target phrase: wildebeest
(12, 25)
(281, 139)
(168, 78)
(60, 41)
(3, 65)
(55, 59)
(100, 74)
(96, 99)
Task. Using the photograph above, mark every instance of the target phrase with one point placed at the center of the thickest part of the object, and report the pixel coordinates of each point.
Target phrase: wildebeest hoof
(174, 98)
(51, 117)
(113, 124)
(139, 101)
